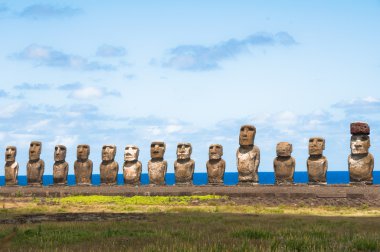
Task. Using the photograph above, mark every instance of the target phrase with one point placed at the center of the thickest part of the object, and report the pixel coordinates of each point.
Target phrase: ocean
(230, 178)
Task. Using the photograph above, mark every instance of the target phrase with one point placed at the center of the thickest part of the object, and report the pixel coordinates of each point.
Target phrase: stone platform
(334, 195)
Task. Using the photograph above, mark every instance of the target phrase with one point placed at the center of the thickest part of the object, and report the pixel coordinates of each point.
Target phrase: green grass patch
(198, 232)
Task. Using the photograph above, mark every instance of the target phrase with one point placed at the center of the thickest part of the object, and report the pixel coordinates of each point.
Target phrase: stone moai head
(83, 152)
(247, 135)
(215, 151)
(316, 145)
(59, 153)
(284, 149)
(157, 149)
(360, 141)
(131, 153)
(35, 150)
(184, 150)
(108, 152)
(10, 153)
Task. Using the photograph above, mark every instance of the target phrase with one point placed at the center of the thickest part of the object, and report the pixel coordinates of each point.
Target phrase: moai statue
(284, 164)
(109, 168)
(11, 166)
(360, 162)
(60, 167)
(184, 165)
(83, 165)
(35, 166)
(248, 156)
(317, 163)
(132, 167)
(157, 166)
(215, 165)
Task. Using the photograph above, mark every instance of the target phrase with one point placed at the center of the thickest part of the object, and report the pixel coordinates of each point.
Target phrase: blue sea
(230, 178)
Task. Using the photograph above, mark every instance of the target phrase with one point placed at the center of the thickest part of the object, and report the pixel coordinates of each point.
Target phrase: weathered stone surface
(157, 166)
(360, 161)
(184, 165)
(132, 168)
(359, 128)
(60, 167)
(316, 163)
(11, 166)
(284, 164)
(248, 156)
(83, 166)
(109, 168)
(216, 166)
(35, 166)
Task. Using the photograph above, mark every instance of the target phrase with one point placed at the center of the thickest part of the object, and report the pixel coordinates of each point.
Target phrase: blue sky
(123, 72)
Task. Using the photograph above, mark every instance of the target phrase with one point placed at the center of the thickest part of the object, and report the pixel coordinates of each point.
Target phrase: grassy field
(199, 223)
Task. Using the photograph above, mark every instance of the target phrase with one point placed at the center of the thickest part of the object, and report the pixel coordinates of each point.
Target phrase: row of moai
(360, 162)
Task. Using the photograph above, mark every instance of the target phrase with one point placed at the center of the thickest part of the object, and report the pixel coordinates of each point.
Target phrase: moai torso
(361, 168)
(317, 168)
(184, 166)
(11, 166)
(60, 167)
(284, 164)
(60, 171)
(35, 166)
(184, 171)
(316, 163)
(216, 166)
(83, 166)
(248, 156)
(132, 172)
(360, 162)
(132, 168)
(157, 166)
(109, 168)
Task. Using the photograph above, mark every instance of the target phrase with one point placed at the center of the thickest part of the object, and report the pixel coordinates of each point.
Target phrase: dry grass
(151, 204)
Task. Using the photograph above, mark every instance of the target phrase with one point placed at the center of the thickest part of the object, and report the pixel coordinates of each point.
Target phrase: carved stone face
(215, 151)
(131, 153)
(10, 154)
(316, 146)
(157, 149)
(83, 151)
(35, 150)
(247, 135)
(184, 150)
(108, 152)
(360, 144)
(284, 149)
(59, 153)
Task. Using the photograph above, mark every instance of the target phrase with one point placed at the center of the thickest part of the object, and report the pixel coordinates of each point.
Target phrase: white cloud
(371, 99)
(39, 125)
(87, 93)
(67, 140)
(205, 58)
(48, 56)
(173, 128)
(111, 51)
(91, 92)
(9, 110)
(45, 11)
(286, 119)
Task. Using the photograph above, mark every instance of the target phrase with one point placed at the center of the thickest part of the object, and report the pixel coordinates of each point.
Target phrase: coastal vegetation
(183, 223)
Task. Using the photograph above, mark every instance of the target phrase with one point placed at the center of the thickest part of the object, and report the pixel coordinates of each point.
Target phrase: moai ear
(291, 148)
